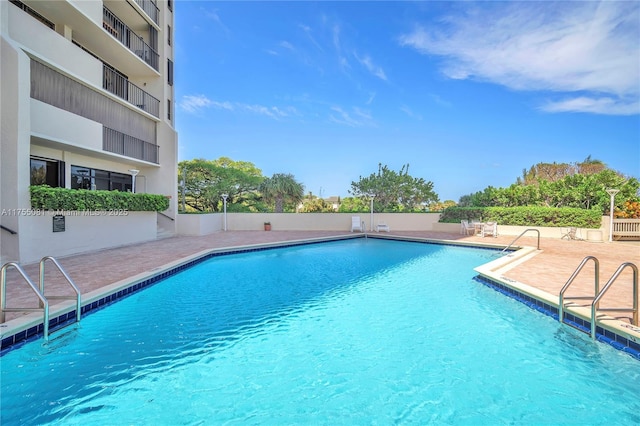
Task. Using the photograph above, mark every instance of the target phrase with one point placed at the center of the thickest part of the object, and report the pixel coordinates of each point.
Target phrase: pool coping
(623, 336)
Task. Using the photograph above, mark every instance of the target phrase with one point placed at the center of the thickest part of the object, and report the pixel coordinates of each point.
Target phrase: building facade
(87, 101)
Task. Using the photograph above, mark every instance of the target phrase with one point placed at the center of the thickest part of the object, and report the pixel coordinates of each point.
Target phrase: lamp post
(224, 202)
(612, 193)
(371, 225)
(134, 173)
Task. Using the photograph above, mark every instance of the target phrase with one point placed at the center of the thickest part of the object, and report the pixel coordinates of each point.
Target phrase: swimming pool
(351, 332)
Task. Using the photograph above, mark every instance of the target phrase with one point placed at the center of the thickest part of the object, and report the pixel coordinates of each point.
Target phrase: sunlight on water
(352, 332)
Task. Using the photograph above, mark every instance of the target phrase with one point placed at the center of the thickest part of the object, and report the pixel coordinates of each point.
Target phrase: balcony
(120, 86)
(119, 143)
(134, 42)
(150, 8)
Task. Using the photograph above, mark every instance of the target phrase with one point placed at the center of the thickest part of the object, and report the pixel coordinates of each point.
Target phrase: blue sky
(467, 93)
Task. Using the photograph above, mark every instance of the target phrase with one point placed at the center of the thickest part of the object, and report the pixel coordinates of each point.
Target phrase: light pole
(371, 226)
(134, 173)
(612, 193)
(224, 201)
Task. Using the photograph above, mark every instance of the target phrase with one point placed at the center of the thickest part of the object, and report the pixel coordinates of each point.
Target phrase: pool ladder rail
(598, 294)
(39, 292)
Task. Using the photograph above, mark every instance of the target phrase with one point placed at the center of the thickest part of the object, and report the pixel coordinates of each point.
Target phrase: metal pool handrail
(570, 281)
(596, 301)
(3, 295)
(77, 297)
(523, 232)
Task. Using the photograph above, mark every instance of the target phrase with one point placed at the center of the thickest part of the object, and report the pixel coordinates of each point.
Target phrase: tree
(395, 191)
(581, 186)
(280, 189)
(313, 204)
(206, 180)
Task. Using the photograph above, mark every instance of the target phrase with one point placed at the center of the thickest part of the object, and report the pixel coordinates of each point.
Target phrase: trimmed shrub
(525, 216)
(47, 198)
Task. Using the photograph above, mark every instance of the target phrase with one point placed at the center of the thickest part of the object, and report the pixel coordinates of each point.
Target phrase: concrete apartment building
(87, 101)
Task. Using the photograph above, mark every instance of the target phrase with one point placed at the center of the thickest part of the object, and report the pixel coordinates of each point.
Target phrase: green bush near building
(47, 198)
(526, 216)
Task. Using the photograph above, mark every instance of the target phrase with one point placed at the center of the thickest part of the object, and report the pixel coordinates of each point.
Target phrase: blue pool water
(351, 332)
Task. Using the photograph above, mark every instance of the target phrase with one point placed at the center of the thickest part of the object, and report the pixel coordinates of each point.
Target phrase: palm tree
(281, 188)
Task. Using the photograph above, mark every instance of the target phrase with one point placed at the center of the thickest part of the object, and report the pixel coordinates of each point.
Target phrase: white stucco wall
(58, 125)
(84, 232)
(203, 224)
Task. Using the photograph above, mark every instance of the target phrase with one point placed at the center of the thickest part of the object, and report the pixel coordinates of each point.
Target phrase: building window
(47, 172)
(169, 109)
(170, 5)
(169, 35)
(170, 72)
(95, 179)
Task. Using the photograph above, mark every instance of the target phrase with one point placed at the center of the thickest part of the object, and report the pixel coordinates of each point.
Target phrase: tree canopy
(206, 180)
(395, 191)
(580, 185)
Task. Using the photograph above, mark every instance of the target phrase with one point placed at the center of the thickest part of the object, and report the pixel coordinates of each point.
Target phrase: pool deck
(546, 270)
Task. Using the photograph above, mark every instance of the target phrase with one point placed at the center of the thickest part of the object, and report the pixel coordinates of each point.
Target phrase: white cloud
(371, 67)
(194, 103)
(560, 47)
(308, 32)
(213, 15)
(358, 118)
(285, 44)
(372, 96)
(605, 105)
(271, 112)
(410, 112)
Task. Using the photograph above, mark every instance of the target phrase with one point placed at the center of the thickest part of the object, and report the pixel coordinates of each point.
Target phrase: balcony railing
(150, 8)
(129, 38)
(119, 143)
(120, 86)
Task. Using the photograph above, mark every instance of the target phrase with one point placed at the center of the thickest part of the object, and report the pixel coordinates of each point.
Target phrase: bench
(626, 229)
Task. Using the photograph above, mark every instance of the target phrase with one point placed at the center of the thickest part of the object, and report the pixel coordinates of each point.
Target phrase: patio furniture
(357, 224)
(466, 228)
(489, 228)
(382, 226)
(570, 233)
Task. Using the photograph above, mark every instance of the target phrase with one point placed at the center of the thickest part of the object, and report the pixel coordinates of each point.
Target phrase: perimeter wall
(203, 224)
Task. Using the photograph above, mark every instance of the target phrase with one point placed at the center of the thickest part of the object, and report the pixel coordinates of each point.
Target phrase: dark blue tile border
(602, 335)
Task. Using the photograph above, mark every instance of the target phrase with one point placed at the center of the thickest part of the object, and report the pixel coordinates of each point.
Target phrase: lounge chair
(490, 228)
(466, 228)
(382, 226)
(570, 233)
(357, 224)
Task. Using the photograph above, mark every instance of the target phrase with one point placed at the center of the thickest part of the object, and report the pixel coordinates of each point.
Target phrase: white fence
(626, 229)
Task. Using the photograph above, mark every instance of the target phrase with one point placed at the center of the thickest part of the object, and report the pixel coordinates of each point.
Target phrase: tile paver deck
(547, 271)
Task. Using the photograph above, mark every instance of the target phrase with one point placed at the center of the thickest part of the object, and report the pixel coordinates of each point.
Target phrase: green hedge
(46, 198)
(525, 216)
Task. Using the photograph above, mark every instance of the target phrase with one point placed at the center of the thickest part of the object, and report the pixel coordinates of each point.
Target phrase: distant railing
(119, 143)
(626, 228)
(129, 38)
(150, 8)
(120, 86)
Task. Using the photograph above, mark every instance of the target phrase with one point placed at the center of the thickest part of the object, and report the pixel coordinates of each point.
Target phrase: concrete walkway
(548, 270)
